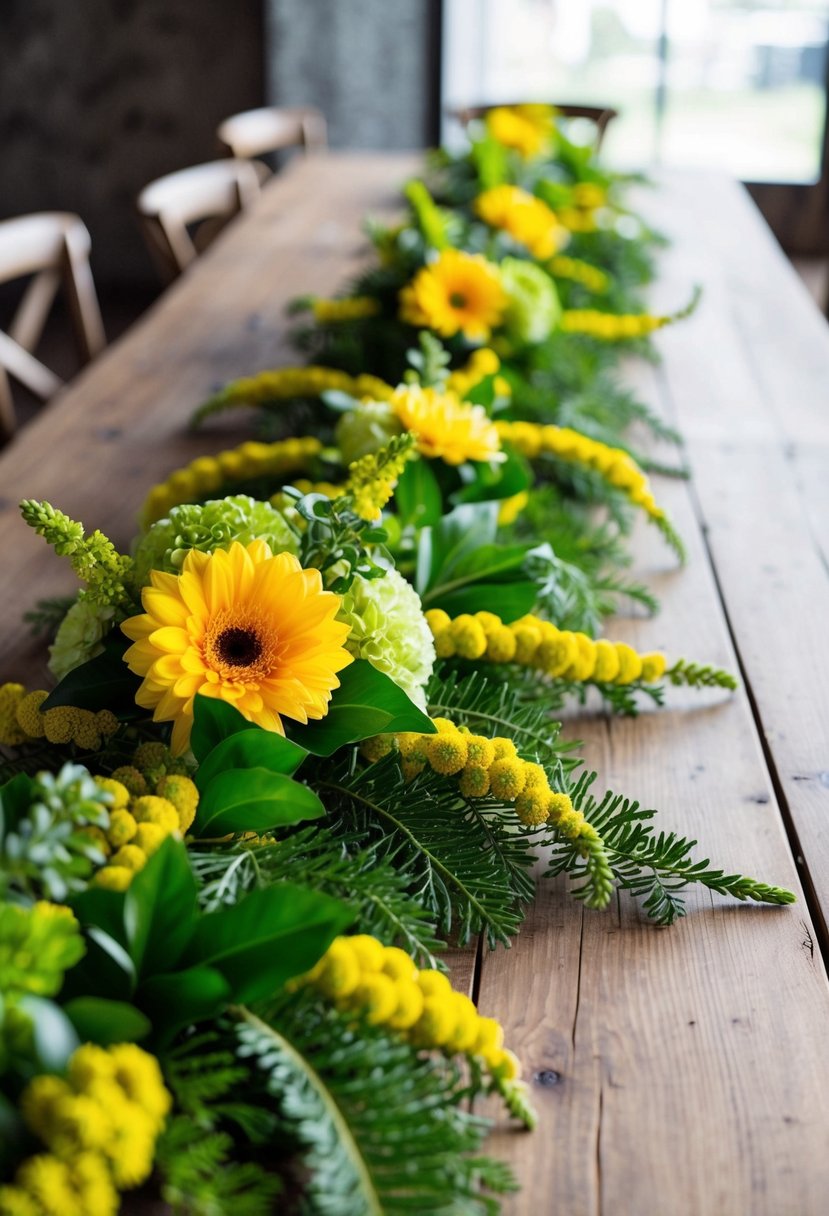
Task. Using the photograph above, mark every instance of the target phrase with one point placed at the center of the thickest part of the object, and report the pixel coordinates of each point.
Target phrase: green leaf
(417, 495)
(105, 682)
(250, 749)
(509, 601)
(457, 535)
(178, 999)
(54, 1035)
(254, 800)
(496, 481)
(160, 909)
(98, 1020)
(270, 936)
(16, 796)
(367, 703)
(101, 909)
(214, 721)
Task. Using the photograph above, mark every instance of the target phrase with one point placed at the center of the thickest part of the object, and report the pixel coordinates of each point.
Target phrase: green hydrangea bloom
(365, 430)
(534, 309)
(209, 526)
(388, 629)
(80, 635)
(37, 945)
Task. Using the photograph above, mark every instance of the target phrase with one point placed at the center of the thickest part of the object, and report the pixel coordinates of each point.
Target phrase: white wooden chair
(254, 133)
(181, 213)
(52, 246)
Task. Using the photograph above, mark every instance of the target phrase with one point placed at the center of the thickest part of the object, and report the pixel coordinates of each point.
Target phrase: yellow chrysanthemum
(527, 128)
(245, 626)
(459, 293)
(446, 427)
(524, 217)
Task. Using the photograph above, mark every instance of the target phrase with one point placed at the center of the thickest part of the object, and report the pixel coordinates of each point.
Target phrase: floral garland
(303, 733)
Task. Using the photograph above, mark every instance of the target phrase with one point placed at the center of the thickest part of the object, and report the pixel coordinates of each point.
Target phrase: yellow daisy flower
(458, 293)
(527, 129)
(524, 217)
(446, 427)
(246, 626)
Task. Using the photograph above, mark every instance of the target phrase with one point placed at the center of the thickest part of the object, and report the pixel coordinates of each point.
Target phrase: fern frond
(381, 1129)
(199, 1178)
(698, 675)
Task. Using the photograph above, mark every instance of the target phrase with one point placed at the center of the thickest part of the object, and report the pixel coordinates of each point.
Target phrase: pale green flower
(80, 635)
(533, 310)
(365, 430)
(389, 630)
(209, 526)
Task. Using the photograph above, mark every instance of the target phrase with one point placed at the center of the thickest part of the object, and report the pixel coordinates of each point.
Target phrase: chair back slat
(255, 133)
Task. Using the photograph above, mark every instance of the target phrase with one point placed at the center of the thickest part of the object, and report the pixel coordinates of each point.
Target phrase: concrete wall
(370, 65)
(98, 97)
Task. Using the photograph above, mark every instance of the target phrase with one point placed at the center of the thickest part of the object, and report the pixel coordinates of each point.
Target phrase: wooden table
(681, 1071)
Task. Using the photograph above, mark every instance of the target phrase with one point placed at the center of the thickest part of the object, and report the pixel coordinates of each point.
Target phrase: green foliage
(43, 620)
(469, 859)
(382, 1130)
(655, 867)
(336, 540)
(698, 675)
(104, 682)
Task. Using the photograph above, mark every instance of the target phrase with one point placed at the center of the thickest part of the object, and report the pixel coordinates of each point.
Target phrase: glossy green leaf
(98, 1020)
(214, 721)
(509, 601)
(54, 1036)
(104, 682)
(255, 748)
(183, 998)
(417, 495)
(15, 799)
(267, 938)
(253, 800)
(160, 909)
(367, 703)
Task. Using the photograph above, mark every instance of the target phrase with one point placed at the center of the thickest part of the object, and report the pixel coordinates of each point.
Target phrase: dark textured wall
(98, 97)
(370, 65)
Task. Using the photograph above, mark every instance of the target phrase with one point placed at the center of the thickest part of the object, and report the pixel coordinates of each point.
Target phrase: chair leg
(83, 305)
(8, 422)
(34, 309)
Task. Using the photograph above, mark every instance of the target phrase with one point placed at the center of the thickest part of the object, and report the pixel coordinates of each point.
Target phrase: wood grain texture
(677, 1071)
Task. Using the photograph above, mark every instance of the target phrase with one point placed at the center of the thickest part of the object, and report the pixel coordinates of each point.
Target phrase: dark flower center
(238, 647)
(457, 299)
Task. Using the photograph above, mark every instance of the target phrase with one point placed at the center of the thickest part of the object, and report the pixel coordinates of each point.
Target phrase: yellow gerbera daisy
(445, 426)
(459, 293)
(527, 129)
(246, 626)
(526, 218)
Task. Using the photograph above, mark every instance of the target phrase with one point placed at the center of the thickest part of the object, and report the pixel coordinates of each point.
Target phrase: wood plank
(668, 1065)
(748, 380)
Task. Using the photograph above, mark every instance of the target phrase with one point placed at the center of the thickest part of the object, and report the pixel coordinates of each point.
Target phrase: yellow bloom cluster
(281, 384)
(610, 327)
(527, 129)
(206, 475)
(577, 219)
(100, 1124)
(482, 362)
(532, 642)
(150, 800)
(457, 293)
(21, 719)
(579, 271)
(372, 478)
(617, 468)
(510, 508)
(352, 308)
(445, 427)
(383, 985)
(527, 219)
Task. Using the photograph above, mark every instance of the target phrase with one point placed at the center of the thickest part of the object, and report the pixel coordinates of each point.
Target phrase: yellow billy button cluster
(611, 327)
(350, 308)
(99, 1124)
(282, 384)
(532, 642)
(206, 475)
(383, 985)
(485, 768)
(614, 465)
(22, 719)
(150, 800)
(579, 271)
(481, 363)
(525, 218)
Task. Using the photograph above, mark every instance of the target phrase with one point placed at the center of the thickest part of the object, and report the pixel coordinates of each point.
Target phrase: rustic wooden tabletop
(681, 1070)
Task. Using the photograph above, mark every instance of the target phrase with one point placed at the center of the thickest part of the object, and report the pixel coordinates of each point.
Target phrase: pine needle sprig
(698, 675)
(382, 1130)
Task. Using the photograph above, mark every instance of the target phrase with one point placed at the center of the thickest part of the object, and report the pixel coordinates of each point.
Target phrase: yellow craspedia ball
(151, 755)
(606, 667)
(152, 809)
(501, 644)
(369, 951)
(446, 753)
(79, 1123)
(479, 750)
(437, 619)
(413, 745)
(122, 828)
(397, 964)
(436, 1023)
(113, 878)
(409, 1005)
(29, 717)
(118, 793)
(60, 723)
(584, 658)
(376, 997)
(139, 1075)
(134, 781)
(48, 1181)
(505, 749)
(535, 778)
(39, 1103)
(88, 1065)
(488, 621)
(506, 778)
(183, 794)
(433, 983)
(555, 652)
(490, 1036)
(532, 808)
(559, 805)
(444, 726)
(474, 782)
(376, 748)
(630, 664)
(92, 1182)
(131, 856)
(465, 1031)
(339, 970)
(468, 637)
(653, 667)
(148, 836)
(444, 644)
(411, 768)
(131, 1155)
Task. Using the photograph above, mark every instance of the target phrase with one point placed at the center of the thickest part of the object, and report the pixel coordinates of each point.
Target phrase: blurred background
(99, 97)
